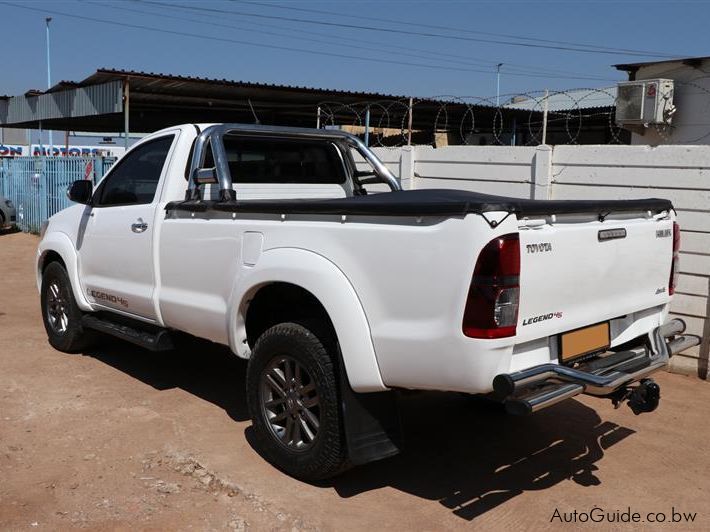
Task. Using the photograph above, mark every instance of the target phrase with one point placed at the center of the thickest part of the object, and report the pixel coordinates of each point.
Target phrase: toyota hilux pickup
(267, 240)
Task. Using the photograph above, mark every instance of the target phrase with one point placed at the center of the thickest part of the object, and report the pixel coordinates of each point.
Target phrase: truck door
(116, 251)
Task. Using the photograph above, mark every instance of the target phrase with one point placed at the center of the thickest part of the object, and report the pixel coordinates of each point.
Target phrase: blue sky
(80, 45)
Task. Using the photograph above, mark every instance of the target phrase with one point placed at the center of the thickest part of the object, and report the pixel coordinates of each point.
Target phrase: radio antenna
(256, 118)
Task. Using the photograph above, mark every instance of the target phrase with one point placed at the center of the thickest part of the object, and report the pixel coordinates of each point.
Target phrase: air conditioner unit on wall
(645, 102)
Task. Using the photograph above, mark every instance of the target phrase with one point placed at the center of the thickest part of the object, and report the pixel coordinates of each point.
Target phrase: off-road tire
(74, 338)
(327, 454)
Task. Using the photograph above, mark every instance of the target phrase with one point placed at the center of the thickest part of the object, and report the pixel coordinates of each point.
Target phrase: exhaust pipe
(615, 372)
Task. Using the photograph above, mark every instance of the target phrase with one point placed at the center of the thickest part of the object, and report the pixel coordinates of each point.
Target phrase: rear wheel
(294, 402)
(60, 313)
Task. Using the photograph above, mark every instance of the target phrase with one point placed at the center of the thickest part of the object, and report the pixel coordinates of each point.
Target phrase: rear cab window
(281, 161)
(282, 168)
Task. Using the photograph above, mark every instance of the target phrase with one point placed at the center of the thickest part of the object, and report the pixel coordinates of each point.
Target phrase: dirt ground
(122, 438)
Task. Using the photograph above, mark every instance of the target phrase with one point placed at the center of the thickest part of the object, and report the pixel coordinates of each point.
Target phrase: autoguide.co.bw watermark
(600, 515)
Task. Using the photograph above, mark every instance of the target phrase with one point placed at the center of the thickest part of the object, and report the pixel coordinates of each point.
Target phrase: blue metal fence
(37, 185)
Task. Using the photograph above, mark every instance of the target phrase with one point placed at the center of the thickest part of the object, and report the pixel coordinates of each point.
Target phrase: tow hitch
(642, 398)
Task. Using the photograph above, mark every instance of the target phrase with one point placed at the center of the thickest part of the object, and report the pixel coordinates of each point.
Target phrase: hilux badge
(611, 234)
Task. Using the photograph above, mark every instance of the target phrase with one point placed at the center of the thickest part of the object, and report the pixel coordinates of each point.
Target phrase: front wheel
(60, 313)
(293, 396)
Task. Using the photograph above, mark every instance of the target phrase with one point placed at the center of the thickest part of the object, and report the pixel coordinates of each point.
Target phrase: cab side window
(135, 178)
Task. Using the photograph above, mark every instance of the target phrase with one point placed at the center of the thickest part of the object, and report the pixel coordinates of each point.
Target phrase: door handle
(139, 226)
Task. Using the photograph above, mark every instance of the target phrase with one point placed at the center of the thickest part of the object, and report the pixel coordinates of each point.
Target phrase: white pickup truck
(266, 240)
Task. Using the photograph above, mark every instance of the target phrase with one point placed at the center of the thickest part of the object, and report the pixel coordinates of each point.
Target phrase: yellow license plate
(584, 341)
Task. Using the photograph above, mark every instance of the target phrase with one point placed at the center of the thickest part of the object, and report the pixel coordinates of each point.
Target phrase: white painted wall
(679, 173)
(691, 96)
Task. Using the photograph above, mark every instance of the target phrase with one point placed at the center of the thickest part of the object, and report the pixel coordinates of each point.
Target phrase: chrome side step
(536, 388)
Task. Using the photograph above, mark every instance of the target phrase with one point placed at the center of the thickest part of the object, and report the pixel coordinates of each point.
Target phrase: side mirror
(80, 191)
(205, 176)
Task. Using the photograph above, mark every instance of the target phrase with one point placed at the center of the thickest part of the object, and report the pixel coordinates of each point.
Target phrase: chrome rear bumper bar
(541, 386)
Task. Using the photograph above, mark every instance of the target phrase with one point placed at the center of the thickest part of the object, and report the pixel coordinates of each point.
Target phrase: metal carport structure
(124, 101)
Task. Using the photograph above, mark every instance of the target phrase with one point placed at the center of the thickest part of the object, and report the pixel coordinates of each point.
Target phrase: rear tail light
(675, 262)
(493, 297)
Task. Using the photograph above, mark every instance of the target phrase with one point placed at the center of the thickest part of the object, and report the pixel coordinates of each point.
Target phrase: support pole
(498, 84)
(409, 135)
(49, 79)
(318, 118)
(367, 126)
(544, 117)
(126, 112)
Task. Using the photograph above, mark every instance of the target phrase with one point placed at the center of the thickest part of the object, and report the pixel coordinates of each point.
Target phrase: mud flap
(372, 424)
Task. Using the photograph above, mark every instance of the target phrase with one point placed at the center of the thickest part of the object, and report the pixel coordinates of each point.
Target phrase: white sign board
(13, 150)
(77, 151)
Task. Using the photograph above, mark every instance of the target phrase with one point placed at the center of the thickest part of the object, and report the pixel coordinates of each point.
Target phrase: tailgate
(581, 272)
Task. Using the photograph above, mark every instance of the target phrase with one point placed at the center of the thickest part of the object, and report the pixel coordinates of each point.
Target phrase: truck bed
(426, 202)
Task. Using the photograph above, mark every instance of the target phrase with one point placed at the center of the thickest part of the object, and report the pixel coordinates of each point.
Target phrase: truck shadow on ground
(204, 369)
(462, 451)
(470, 456)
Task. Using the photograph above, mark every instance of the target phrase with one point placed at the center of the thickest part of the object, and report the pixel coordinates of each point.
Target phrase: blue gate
(37, 185)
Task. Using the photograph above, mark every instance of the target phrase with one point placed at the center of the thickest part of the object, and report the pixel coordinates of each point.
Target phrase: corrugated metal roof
(136, 75)
(93, 100)
(159, 83)
(159, 100)
(569, 100)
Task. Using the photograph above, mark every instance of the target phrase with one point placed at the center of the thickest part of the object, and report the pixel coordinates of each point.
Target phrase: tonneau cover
(426, 202)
